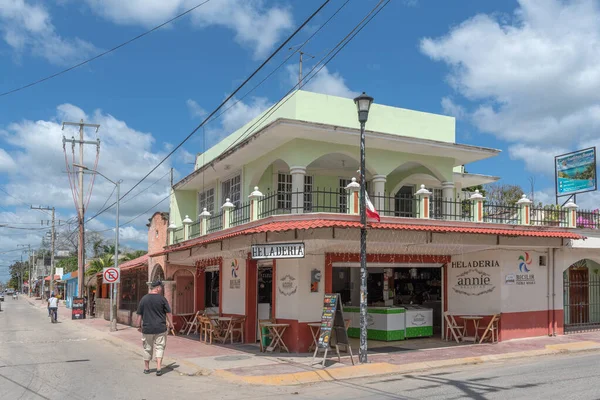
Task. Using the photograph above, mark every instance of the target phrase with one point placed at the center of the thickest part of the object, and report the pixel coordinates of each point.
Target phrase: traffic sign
(111, 275)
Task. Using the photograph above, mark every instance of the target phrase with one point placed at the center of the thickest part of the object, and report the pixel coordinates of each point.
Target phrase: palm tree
(96, 265)
(109, 249)
(133, 255)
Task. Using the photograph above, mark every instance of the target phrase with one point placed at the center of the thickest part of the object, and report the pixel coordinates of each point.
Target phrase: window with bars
(284, 192)
(231, 189)
(436, 203)
(206, 200)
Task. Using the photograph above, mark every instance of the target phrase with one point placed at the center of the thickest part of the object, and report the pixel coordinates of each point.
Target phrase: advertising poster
(576, 172)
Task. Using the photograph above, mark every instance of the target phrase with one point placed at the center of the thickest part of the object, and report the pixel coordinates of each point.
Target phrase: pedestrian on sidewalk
(53, 308)
(154, 319)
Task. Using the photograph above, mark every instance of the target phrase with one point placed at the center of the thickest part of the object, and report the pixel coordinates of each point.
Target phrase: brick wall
(157, 240)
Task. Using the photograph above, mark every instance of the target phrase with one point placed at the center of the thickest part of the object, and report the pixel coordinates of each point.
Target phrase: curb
(382, 369)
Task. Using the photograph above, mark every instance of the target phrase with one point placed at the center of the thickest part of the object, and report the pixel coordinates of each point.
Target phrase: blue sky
(521, 76)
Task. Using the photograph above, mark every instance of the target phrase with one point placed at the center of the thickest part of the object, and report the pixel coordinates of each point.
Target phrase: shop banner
(78, 308)
(277, 250)
(575, 172)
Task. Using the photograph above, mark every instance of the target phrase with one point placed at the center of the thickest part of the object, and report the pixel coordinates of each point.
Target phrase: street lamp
(363, 104)
(113, 291)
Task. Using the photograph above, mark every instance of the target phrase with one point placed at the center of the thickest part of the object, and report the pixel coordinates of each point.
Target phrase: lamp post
(113, 291)
(363, 103)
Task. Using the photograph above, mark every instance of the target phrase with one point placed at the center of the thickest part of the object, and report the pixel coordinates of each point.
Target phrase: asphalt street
(40, 360)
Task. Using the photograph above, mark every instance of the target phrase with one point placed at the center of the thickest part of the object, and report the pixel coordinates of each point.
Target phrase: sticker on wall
(474, 283)
(315, 278)
(234, 268)
(287, 285)
(510, 279)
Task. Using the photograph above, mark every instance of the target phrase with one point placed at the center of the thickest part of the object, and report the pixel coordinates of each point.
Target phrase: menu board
(332, 321)
(78, 308)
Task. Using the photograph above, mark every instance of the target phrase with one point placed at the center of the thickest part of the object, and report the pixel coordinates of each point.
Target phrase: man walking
(154, 317)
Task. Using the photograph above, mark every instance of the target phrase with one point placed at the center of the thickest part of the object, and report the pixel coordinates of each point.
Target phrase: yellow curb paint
(574, 346)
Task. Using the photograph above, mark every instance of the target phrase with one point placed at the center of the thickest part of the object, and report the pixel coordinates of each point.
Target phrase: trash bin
(266, 340)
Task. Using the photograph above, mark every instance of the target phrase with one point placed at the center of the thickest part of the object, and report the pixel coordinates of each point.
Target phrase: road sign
(111, 275)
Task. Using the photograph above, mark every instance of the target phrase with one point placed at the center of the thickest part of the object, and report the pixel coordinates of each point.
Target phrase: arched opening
(582, 296)
(184, 292)
(158, 274)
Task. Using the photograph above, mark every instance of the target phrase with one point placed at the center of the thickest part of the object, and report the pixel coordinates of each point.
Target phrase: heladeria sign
(277, 250)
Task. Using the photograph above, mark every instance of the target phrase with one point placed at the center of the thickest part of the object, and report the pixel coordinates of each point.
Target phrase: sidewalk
(245, 364)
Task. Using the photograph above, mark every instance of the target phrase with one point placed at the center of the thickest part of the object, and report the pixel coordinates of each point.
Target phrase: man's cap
(156, 284)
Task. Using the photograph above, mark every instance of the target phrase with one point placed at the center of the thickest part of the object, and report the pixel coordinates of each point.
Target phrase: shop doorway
(264, 293)
(211, 290)
(582, 296)
(405, 304)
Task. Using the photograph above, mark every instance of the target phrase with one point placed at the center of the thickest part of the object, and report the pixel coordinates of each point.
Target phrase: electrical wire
(216, 110)
(136, 217)
(18, 89)
(331, 54)
(143, 190)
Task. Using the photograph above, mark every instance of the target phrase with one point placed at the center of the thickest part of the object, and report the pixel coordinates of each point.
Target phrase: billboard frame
(580, 191)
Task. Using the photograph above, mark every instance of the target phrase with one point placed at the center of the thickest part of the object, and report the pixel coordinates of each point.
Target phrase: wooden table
(277, 330)
(315, 329)
(188, 321)
(476, 321)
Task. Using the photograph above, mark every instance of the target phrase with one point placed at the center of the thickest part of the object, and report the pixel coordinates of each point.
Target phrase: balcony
(422, 205)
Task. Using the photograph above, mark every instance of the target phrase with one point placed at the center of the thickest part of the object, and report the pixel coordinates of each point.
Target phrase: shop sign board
(277, 250)
(78, 308)
(575, 172)
(333, 328)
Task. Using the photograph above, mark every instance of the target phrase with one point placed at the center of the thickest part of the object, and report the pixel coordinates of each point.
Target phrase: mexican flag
(371, 211)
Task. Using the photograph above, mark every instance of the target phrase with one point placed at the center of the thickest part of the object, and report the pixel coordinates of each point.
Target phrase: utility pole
(302, 54)
(80, 201)
(52, 241)
(28, 246)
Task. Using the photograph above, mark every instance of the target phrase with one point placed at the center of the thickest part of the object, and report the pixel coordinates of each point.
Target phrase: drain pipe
(548, 290)
(553, 291)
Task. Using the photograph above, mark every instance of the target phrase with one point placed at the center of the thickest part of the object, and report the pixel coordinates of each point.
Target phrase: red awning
(288, 225)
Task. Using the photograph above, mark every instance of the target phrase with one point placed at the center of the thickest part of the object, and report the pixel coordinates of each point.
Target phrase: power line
(136, 217)
(333, 53)
(143, 190)
(256, 71)
(103, 53)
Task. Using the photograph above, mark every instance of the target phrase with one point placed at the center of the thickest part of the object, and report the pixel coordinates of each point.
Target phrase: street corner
(307, 377)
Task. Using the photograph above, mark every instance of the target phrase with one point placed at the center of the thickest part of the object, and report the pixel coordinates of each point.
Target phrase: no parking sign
(111, 275)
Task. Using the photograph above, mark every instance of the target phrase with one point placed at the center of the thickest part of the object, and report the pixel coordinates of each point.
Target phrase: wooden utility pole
(52, 241)
(80, 199)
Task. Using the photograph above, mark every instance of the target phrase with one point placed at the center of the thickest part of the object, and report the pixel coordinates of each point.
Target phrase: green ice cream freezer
(383, 323)
(418, 321)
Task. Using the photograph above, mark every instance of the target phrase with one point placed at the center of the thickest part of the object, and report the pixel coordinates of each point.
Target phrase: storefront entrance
(405, 301)
(211, 290)
(264, 292)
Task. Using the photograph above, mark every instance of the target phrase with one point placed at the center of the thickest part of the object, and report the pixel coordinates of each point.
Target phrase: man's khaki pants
(156, 341)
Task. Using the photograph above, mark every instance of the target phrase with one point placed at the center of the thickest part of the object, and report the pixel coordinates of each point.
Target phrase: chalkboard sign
(78, 308)
(333, 328)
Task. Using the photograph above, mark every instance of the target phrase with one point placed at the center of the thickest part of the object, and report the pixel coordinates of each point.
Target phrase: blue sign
(576, 172)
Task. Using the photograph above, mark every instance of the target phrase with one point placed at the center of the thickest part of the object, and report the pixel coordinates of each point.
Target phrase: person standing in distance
(154, 319)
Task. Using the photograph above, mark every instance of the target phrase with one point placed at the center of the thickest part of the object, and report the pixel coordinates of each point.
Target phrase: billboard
(575, 172)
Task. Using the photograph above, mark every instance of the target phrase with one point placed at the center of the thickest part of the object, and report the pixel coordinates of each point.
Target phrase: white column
(448, 198)
(378, 193)
(298, 174)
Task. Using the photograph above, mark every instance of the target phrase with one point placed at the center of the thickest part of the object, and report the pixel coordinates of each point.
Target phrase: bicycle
(53, 315)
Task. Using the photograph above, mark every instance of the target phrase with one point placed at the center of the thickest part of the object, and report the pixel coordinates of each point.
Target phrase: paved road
(40, 360)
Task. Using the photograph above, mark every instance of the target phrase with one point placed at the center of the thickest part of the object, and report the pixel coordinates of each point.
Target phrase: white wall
(528, 292)
(302, 305)
(234, 299)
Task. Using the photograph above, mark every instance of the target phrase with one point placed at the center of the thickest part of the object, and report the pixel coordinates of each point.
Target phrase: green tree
(133, 255)
(69, 264)
(97, 264)
(503, 193)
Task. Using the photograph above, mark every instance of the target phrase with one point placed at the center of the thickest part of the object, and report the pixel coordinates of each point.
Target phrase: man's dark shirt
(153, 308)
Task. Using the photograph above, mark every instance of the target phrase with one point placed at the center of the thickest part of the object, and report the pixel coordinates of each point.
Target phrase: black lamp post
(363, 104)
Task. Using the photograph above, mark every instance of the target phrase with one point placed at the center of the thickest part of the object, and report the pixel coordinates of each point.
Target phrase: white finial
(353, 184)
(204, 213)
(423, 190)
(524, 200)
(172, 226)
(256, 193)
(187, 220)
(476, 195)
(228, 204)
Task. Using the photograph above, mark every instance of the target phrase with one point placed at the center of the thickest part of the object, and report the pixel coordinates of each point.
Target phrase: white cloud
(535, 74)
(125, 153)
(28, 28)
(449, 107)
(131, 234)
(255, 24)
(323, 82)
(7, 164)
(194, 108)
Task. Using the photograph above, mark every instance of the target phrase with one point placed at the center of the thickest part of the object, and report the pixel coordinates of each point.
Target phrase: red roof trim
(281, 226)
(136, 262)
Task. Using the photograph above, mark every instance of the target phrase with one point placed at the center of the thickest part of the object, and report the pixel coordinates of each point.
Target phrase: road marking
(45, 341)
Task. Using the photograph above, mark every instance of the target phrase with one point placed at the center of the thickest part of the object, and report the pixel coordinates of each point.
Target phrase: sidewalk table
(277, 331)
(188, 319)
(315, 330)
(476, 320)
(226, 324)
